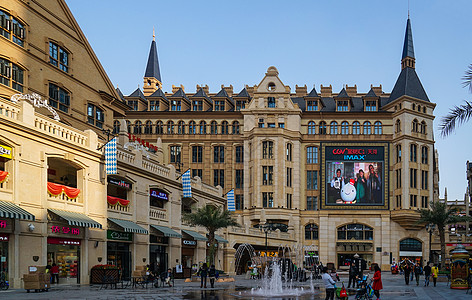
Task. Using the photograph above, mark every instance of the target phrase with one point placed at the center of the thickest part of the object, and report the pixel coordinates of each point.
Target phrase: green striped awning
(76, 219)
(10, 210)
(167, 231)
(219, 239)
(128, 226)
(196, 236)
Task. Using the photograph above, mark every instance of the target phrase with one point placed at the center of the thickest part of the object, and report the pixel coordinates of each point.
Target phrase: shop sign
(270, 253)
(189, 243)
(119, 236)
(65, 230)
(36, 101)
(60, 241)
(159, 194)
(454, 245)
(121, 183)
(5, 151)
(4, 237)
(3, 224)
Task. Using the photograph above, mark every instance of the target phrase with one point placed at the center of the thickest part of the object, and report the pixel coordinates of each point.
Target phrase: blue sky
(310, 42)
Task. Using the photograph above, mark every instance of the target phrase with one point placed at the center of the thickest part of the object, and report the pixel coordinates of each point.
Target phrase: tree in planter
(212, 218)
(441, 215)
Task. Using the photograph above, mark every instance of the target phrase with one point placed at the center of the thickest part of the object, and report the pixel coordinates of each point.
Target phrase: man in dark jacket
(427, 274)
(407, 271)
(203, 273)
(353, 272)
(212, 274)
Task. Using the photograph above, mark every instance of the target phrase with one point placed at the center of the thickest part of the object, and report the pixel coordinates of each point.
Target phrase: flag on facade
(110, 157)
(231, 205)
(187, 184)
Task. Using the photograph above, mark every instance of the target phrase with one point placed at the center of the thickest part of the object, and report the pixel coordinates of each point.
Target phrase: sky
(310, 42)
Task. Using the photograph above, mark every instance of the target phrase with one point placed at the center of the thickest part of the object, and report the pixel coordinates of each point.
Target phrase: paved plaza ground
(394, 288)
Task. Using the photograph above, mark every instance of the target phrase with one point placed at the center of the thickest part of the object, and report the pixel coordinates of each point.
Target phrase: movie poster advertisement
(355, 175)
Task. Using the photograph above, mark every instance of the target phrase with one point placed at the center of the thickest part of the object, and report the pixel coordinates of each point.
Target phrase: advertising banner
(355, 175)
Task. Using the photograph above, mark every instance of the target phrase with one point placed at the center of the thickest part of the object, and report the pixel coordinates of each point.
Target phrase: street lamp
(430, 228)
(266, 231)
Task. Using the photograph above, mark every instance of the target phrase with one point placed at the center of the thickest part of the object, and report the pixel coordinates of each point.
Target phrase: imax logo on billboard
(354, 157)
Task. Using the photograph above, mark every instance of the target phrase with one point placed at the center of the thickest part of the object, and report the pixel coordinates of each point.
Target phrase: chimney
(300, 91)
(351, 90)
(326, 91)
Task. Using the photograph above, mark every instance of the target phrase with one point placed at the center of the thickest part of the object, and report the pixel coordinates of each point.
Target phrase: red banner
(56, 189)
(115, 200)
(3, 176)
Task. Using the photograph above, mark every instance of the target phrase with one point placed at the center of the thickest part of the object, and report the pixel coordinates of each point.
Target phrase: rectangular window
(219, 154)
(239, 154)
(289, 200)
(154, 105)
(11, 75)
(219, 177)
(342, 105)
(197, 172)
(271, 102)
(267, 149)
(311, 155)
(133, 104)
(281, 125)
(267, 175)
(270, 125)
(399, 178)
(424, 180)
(240, 104)
(197, 154)
(311, 203)
(424, 155)
(371, 105)
(95, 116)
(219, 105)
(413, 153)
(197, 105)
(413, 201)
(289, 152)
(175, 154)
(58, 57)
(267, 199)
(289, 176)
(239, 199)
(239, 179)
(312, 105)
(176, 105)
(399, 153)
(424, 201)
(311, 180)
(399, 201)
(413, 174)
(59, 98)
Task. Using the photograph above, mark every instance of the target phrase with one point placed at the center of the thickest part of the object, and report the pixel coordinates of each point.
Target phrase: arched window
(355, 232)
(138, 127)
(170, 127)
(128, 125)
(214, 127)
(289, 152)
(322, 127)
(235, 127)
(356, 128)
(344, 127)
(378, 127)
(410, 244)
(398, 127)
(203, 127)
(367, 128)
(333, 127)
(181, 127)
(159, 129)
(116, 127)
(148, 127)
(311, 232)
(192, 127)
(311, 127)
(224, 127)
(423, 127)
(414, 126)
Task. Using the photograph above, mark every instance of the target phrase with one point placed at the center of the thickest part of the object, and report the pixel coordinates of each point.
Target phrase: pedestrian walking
(418, 272)
(377, 285)
(212, 274)
(406, 272)
(352, 275)
(203, 273)
(328, 283)
(55, 273)
(435, 273)
(427, 274)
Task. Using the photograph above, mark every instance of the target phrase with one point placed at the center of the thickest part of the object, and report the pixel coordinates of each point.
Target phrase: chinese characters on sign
(65, 230)
(3, 224)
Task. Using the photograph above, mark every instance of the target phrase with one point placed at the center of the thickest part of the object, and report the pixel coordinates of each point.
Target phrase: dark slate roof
(300, 101)
(222, 93)
(328, 104)
(180, 94)
(122, 97)
(159, 93)
(357, 105)
(408, 84)
(152, 68)
(342, 94)
(408, 50)
(313, 93)
(371, 94)
(243, 94)
(137, 93)
(201, 94)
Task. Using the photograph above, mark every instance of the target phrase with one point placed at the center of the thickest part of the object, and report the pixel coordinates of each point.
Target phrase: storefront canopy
(76, 219)
(10, 210)
(128, 226)
(167, 231)
(196, 236)
(219, 239)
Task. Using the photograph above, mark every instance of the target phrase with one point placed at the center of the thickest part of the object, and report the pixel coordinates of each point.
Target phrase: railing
(156, 169)
(118, 208)
(260, 233)
(125, 156)
(55, 128)
(9, 109)
(156, 213)
(63, 198)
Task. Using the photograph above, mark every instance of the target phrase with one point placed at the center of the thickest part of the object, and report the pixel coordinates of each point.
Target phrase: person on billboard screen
(373, 186)
(361, 185)
(336, 184)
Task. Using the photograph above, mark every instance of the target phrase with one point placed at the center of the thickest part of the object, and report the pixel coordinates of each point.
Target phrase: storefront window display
(65, 253)
(118, 254)
(4, 255)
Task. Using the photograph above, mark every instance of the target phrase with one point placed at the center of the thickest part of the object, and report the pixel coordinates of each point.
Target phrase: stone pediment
(271, 83)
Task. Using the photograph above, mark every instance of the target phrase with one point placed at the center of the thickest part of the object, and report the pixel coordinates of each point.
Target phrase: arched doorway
(411, 249)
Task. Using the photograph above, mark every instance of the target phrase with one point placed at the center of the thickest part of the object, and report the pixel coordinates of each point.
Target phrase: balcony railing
(157, 213)
(118, 208)
(64, 198)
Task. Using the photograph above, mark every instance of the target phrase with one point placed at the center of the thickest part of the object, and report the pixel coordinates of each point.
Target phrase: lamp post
(266, 231)
(430, 228)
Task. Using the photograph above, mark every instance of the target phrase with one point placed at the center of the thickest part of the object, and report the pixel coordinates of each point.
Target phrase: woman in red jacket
(377, 286)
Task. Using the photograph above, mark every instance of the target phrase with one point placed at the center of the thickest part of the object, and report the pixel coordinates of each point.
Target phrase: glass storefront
(158, 257)
(118, 254)
(65, 253)
(4, 255)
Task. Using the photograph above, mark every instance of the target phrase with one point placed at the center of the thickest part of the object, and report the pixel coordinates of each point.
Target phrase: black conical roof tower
(408, 82)
(152, 68)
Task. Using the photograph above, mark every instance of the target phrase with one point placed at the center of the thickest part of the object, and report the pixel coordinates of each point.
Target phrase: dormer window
(133, 104)
(271, 102)
(197, 105)
(371, 105)
(240, 104)
(176, 105)
(219, 105)
(154, 105)
(312, 105)
(342, 105)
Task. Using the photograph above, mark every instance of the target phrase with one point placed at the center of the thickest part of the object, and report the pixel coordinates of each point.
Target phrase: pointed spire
(408, 55)
(152, 68)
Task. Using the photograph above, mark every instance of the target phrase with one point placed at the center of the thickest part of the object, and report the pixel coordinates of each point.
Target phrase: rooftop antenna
(408, 9)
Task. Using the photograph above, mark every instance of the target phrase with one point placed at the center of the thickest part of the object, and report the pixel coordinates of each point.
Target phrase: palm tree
(458, 114)
(441, 215)
(212, 218)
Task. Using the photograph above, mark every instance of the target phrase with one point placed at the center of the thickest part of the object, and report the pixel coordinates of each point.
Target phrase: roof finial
(153, 34)
(408, 9)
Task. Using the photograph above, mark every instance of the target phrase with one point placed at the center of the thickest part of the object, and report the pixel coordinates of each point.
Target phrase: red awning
(56, 189)
(3, 176)
(115, 200)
